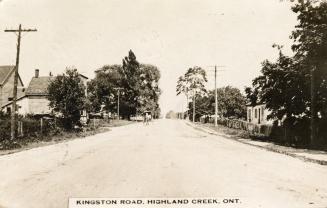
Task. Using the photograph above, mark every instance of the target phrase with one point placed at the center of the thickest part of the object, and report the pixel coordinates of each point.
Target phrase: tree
(310, 46)
(67, 97)
(192, 83)
(282, 87)
(182, 87)
(231, 103)
(131, 83)
(102, 89)
(149, 91)
(295, 88)
(138, 83)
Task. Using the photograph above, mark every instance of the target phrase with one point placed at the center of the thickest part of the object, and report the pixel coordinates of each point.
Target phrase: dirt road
(165, 159)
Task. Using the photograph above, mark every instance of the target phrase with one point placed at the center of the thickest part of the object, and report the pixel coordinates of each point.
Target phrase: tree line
(138, 85)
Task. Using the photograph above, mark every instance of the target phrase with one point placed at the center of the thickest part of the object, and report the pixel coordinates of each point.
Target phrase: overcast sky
(171, 34)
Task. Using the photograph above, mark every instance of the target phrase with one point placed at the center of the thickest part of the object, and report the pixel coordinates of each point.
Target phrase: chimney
(50, 74)
(37, 71)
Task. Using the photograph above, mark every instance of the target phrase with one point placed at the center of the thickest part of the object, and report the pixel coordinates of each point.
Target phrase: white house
(35, 100)
(258, 114)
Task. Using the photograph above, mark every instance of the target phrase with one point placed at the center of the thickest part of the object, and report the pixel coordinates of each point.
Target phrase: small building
(7, 74)
(257, 114)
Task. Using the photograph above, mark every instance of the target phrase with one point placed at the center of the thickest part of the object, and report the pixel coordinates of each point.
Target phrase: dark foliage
(67, 97)
(138, 83)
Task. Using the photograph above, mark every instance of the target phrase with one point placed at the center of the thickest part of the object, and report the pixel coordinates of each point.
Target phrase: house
(7, 74)
(257, 114)
(35, 101)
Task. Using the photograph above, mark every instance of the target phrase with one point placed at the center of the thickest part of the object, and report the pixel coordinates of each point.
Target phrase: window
(249, 115)
(256, 113)
(259, 113)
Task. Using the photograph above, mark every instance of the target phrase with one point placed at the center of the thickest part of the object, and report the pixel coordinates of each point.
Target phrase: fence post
(41, 125)
(18, 128)
(22, 128)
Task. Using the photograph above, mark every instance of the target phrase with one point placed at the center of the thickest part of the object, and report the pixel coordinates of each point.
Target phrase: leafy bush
(4, 129)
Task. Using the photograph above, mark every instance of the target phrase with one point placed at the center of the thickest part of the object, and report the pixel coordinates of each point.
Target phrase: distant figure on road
(147, 118)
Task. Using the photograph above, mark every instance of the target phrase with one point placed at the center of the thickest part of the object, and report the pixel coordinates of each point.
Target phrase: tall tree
(295, 88)
(67, 97)
(282, 87)
(192, 82)
(149, 91)
(138, 83)
(131, 83)
(183, 87)
(310, 46)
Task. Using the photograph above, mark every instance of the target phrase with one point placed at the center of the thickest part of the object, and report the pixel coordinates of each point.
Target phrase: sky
(174, 35)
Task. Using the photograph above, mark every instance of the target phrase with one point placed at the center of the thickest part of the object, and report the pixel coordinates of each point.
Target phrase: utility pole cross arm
(22, 30)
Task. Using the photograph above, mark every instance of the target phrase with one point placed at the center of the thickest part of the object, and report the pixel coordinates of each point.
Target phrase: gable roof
(5, 72)
(39, 86)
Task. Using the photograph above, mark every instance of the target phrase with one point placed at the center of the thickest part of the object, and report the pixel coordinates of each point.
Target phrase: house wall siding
(39, 105)
(7, 89)
(23, 106)
(254, 117)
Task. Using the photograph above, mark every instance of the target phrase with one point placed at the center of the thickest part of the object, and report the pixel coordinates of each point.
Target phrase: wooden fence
(253, 129)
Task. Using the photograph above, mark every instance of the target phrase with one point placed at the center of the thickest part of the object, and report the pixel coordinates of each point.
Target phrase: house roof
(39, 86)
(5, 72)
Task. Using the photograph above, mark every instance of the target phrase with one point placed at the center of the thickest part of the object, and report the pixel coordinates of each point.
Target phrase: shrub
(4, 129)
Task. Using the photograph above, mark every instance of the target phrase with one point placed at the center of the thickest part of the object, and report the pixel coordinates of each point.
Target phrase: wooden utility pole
(216, 94)
(187, 106)
(118, 88)
(194, 94)
(14, 102)
(216, 98)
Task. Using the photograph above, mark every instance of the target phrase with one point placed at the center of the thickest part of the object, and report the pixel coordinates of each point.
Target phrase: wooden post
(14, 104)
(216, 98)
(22, 128)
(194, 106)
(41, 121)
